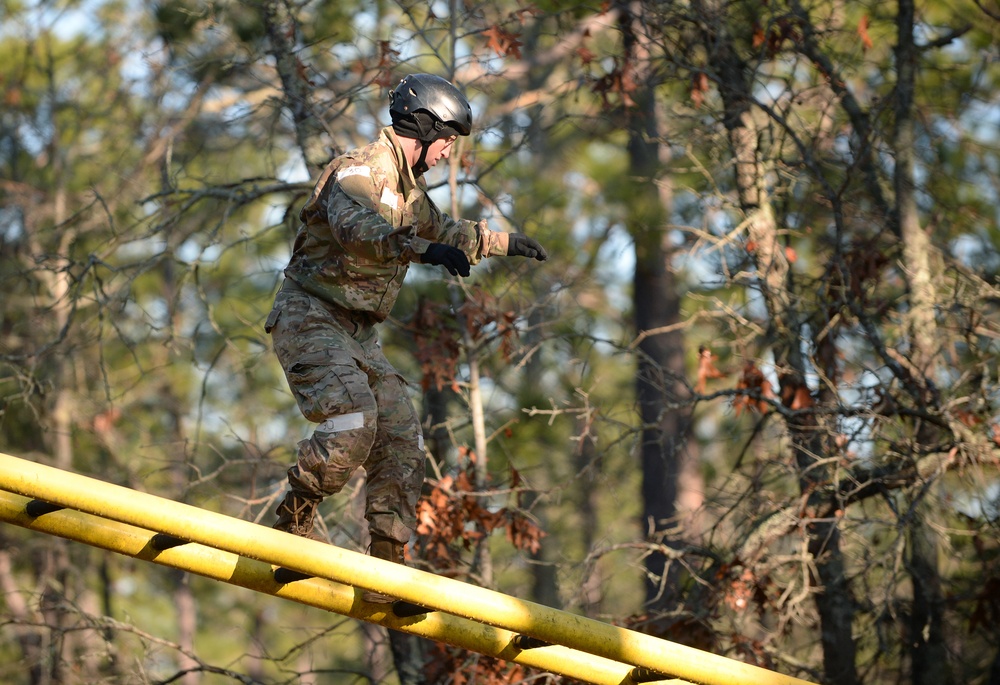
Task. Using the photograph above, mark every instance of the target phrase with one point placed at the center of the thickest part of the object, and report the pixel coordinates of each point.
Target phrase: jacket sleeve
(471, 237)
(355, 207)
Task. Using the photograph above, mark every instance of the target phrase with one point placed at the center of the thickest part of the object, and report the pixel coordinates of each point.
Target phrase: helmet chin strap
(420, 166)
(423, 128)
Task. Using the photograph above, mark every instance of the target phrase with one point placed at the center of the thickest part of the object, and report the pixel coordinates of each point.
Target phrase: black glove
(447, 256)
(520, 245)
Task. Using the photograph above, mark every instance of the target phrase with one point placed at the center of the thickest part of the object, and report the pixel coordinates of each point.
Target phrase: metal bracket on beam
(161, 542)
(404, 609)
(641, 674)
(523, 642)
(38, 507)
(286, 575)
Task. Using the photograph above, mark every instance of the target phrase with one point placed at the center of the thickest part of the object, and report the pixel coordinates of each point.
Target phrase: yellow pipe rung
(314, 558)
(317, 592)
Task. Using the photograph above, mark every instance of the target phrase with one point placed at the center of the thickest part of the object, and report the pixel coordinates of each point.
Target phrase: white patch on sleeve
(344, 422)
(360, 170)
(390, 198)
(420, 442)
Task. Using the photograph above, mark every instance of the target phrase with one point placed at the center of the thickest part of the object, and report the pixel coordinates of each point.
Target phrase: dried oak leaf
(759, 390)
(706, 369)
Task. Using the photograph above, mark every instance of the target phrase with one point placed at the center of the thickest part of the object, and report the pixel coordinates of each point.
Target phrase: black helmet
(435, 96)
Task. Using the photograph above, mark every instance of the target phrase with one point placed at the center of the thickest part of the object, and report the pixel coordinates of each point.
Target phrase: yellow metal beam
(317, 592)
(255, 542)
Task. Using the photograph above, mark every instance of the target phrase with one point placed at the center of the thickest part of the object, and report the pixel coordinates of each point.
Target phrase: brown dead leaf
(753, 380)
(503, 42)
(866, 39)
(699, 87)
(706, 369)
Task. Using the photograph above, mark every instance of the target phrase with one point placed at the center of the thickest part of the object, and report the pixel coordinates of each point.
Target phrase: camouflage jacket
(367, 219)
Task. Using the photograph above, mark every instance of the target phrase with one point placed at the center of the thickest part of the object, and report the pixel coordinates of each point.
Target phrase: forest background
(750, 403)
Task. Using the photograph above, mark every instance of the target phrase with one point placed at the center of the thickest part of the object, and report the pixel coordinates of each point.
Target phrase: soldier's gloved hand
(520, 245)
(447, 256)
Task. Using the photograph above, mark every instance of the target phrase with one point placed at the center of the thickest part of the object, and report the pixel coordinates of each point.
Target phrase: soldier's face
(439, 149)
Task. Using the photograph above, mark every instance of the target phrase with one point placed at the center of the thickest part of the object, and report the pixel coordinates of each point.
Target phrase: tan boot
(296, 515)
(390, 550)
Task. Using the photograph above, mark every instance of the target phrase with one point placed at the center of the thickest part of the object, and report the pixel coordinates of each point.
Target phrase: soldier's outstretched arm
(478, 242)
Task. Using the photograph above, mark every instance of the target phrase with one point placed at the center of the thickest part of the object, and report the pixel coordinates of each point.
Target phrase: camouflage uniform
(367, 219)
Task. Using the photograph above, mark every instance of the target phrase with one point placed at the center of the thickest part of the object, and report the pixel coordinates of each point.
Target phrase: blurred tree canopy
(750, 403)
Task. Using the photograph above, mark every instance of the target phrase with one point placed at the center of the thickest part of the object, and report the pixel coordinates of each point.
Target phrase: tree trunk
(660, 366)
(544, 577)
(995, 670)
(809, 444)
(58, 644)
(833, 597)
(928, 650)
(483, 561)
(187, 626)
(409, 655)
(588, 462)
(30, 636)
(282, 34)
(916, 242)
(382, 653)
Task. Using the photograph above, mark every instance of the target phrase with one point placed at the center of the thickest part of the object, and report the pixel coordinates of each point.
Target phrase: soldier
(368, 218)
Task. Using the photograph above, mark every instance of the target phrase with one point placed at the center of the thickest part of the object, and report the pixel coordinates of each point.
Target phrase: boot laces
(301, 511)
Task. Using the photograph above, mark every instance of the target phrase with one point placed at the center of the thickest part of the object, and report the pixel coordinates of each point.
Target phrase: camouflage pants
(342, 381)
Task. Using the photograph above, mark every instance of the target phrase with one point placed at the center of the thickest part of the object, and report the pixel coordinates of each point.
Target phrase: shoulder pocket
(272, 319)
(357, 184)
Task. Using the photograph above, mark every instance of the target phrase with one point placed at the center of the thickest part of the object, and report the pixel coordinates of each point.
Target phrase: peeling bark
(808, 442)
(928, 650)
